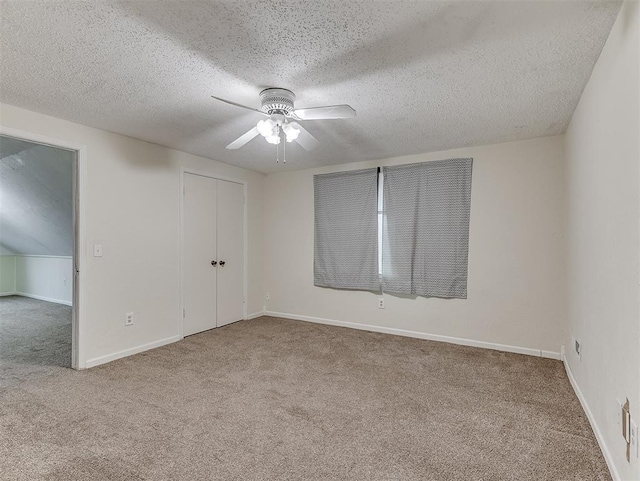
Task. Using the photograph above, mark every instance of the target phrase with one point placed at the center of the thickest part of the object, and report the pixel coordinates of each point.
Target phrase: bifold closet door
(230, 252)
(199, 253)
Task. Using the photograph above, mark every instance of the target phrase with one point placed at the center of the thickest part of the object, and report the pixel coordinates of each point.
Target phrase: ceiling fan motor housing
(277, 101)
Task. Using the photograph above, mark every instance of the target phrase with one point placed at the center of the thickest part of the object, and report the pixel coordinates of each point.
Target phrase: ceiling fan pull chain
(284, 150)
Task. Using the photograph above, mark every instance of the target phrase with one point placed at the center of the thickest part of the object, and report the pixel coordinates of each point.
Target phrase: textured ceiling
(423, 76)
(36, 198)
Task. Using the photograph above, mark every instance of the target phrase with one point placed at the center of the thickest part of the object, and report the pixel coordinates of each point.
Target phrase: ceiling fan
(277, 105)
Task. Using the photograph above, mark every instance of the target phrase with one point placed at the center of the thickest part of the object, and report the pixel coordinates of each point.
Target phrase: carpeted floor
(275, 399)
(35, 339)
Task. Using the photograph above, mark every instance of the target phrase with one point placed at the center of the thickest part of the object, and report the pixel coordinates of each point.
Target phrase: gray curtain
(346, 247)
(426, 228)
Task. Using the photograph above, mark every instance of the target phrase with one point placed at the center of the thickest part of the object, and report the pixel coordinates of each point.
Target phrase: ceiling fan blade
(239, 105)
(243, 139)
(305, 139)
(329, 112)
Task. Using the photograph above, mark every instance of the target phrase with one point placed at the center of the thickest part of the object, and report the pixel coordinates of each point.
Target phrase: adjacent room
(36, 258)
(328, 240)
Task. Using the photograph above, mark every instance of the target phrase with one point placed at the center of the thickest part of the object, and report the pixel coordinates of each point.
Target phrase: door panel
(231, 252)
(199, 249)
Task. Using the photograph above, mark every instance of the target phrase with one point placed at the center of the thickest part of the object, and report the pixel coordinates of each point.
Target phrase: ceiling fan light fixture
(270, 130)
(266, 127)
(291, 131)
(273, 139)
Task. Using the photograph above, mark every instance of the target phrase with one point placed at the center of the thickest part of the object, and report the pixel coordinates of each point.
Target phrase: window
(345, 246)
(402, 229)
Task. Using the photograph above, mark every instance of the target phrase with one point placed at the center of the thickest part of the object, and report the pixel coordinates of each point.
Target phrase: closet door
(230, 252)
(199, 251)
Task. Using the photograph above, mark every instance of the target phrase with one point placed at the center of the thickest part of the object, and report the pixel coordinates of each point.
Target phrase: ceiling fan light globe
(291, 130)
(273, 139)
(293, 135)
(266, 127)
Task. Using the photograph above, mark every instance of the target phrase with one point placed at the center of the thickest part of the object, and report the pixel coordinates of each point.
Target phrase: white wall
(132, 208)
(603, 157)
(7, 275)
(516, 288)
(48, 278)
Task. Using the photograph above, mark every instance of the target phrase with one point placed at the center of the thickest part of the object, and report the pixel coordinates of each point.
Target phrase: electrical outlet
(381, 303)
(128, 319)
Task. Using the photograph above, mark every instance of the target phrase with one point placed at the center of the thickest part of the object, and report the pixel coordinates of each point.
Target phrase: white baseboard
(3, 294)
(130, 352)
(42, 298)
(551, 355)
(419, 335)
(596, 430)
(254, 315)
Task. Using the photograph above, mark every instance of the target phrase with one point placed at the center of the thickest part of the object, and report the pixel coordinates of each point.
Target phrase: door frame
(78, 308)
(211, 175)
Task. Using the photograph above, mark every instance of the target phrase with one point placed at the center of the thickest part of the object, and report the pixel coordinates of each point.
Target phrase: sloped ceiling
(5, 252)
(422, 75)
(36, 198)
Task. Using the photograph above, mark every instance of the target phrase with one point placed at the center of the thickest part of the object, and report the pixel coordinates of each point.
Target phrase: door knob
(222, 263)
(214, 263)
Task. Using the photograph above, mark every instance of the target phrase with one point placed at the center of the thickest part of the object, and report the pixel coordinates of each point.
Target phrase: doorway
(40, 258)
(213, 252)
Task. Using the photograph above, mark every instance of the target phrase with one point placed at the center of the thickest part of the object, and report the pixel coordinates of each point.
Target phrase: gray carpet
(35, 339)
(288, 400)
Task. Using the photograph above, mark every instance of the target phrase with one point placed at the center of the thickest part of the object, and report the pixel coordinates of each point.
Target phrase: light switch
(97, 250)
